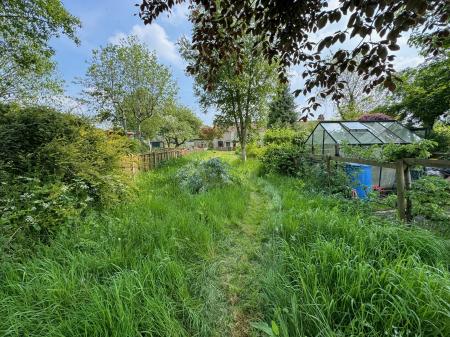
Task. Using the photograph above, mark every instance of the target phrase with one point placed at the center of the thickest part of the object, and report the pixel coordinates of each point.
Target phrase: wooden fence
(402, 175)
(151, 160)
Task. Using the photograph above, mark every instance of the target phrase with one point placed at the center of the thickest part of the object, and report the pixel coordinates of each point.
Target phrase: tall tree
(37, 84)
(423, 94)
(126, 85)
(285, 31)
(26, 27)
(179, 124)
(355, 101)
(241, 98)
(282, 111)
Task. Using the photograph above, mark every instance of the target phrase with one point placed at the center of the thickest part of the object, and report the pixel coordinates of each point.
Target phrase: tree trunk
(139, 132)
(244, 151)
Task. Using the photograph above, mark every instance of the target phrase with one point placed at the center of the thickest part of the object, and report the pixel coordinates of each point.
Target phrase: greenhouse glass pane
(365, 137)
(318, 135)
(328, 139)
(329, 149)
(402, 132)
(339, 133)
(384, 134)
(354, 126)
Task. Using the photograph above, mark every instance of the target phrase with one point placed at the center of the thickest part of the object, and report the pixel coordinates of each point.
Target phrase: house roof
(361, 133)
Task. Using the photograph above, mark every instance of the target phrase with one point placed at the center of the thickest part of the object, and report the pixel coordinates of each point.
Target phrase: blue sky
(106, 21)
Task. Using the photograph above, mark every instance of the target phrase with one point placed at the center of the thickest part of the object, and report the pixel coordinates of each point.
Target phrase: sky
(107, 21)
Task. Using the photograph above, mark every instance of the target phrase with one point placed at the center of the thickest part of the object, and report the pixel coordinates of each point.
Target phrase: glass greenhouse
(327, 137)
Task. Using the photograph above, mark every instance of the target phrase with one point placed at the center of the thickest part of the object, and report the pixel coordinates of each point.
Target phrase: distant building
(196, 144)
(227, 141)
(156, 143)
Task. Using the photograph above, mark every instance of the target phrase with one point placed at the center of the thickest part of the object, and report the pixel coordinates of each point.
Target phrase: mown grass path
(239, 265)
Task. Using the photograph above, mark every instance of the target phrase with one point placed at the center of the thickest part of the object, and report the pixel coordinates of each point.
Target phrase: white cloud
(156, 38)
(178, 16)
(403, 62)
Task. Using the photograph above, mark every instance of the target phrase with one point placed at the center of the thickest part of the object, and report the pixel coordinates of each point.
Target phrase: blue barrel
(360, 178)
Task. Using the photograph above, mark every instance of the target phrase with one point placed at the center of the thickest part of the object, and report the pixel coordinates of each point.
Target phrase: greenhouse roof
(361, 133)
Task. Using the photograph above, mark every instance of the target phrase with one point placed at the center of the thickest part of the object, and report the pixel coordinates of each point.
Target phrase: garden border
(402, 173)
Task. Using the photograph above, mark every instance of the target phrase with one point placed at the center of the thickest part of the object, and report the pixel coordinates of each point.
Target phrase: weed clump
(201, 176)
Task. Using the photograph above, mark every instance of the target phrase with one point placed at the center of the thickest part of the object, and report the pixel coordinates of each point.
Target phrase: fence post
(401, 200)
(408, 211)
(329, 170)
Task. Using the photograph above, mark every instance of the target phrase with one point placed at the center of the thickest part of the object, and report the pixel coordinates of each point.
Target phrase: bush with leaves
(53, 166)
(318, 180)
(201, 176)
(292, 160)
(282, 159)
(430, 197)
(422, 150)
(254, 150)
(390, 152)
(284, 136)
(441, 135)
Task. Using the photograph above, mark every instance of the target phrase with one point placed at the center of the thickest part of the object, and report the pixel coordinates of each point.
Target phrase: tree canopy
(423, 94)
(26, 27)
(282, 110)
(179, 124)
(240, 98)
(126, 85)
(284, 31)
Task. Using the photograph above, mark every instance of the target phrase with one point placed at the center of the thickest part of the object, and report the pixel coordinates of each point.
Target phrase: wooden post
(329, 170)
(408, 210)
(401, 200)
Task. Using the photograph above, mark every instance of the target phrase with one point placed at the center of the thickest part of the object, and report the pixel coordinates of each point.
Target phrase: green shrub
(317, 179)
(32, 209)
(52, 167)
(421, 149)
(284, 136)
(441, 135)
(390, 152)
(430, 197)
(291, 160)
(255, 151)
(283, 159)
(201, 176)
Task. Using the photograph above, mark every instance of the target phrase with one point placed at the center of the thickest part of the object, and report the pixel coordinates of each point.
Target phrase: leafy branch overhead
(284, 31)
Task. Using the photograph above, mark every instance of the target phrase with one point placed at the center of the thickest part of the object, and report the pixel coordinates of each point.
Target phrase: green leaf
(263, 327)
(275, 328)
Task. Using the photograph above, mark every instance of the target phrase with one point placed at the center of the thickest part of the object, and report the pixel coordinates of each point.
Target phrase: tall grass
(140, 269)
(156, 266)
(335, 273)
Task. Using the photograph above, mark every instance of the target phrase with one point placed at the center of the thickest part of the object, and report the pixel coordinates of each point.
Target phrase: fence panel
(149, 161)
